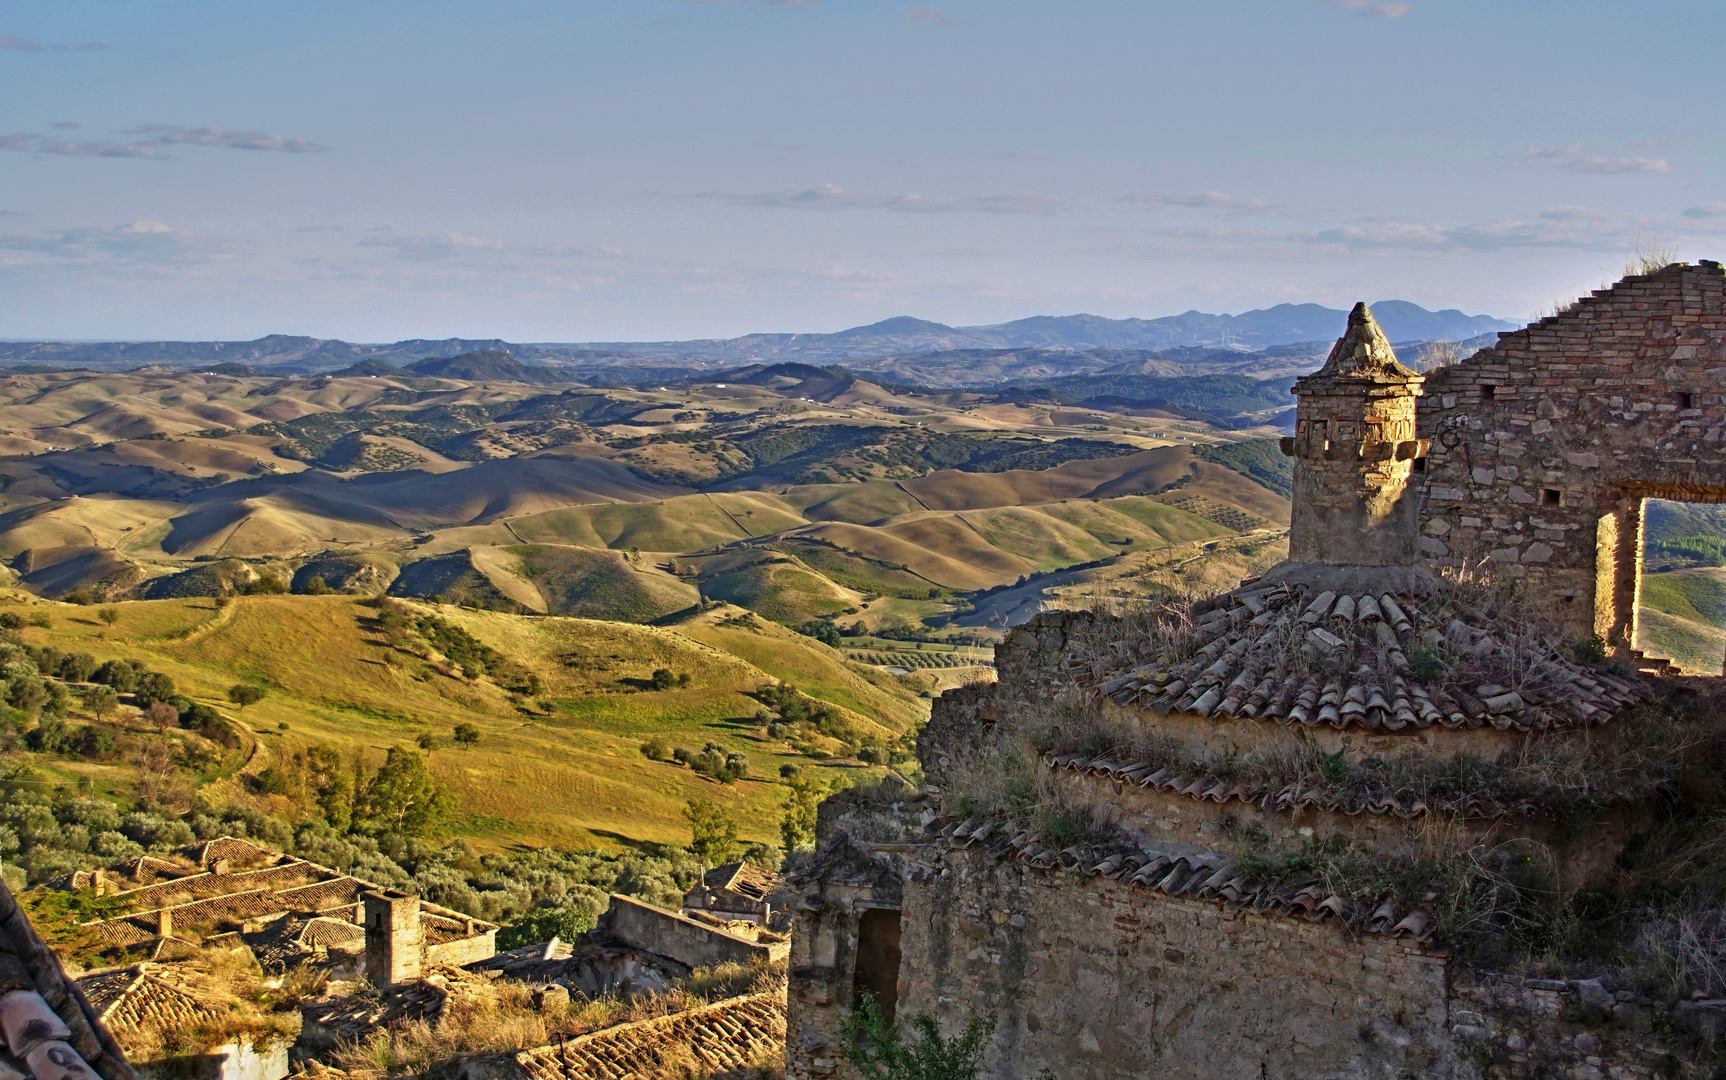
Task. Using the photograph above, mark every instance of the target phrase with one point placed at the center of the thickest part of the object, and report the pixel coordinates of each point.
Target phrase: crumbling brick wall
(1544, 446)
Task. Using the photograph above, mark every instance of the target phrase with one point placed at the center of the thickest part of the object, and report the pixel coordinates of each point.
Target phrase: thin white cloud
(1565, 227)
(1210, 200)
(431, 248)
(7, 41)
(216, 135)
(26, 143)
(138, 243)
(155, 139)
(930, 18)
(1574, 159)
(834, 197)
(1375, 9)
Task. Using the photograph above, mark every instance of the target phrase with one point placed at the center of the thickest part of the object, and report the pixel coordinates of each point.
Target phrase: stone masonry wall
(1354, 451)
(1543, 447)
(1091, 979)
(684, 940)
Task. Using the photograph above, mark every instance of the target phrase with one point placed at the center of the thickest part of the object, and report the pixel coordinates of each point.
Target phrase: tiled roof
(746, 880)
(231, 848)
(352, 1016)
(1201, 785)
(1239, 640)
(175, 891)
(201, 901)
(324, 933)
(1200, 875)
(135, 999)
(27, 966)
(715, 1038)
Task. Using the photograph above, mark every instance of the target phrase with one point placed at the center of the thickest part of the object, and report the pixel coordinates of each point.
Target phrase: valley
(778, 566)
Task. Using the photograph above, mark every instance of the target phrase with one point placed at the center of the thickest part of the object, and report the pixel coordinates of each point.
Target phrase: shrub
(244, 694)
(655, 749)
(543, 924)
(466, 735)
(315, 586)
(662, 679)
(880, 1052)
(95, 743)
(119, 674)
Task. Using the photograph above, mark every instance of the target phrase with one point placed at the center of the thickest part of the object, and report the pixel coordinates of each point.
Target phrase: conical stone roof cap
(1363, 352)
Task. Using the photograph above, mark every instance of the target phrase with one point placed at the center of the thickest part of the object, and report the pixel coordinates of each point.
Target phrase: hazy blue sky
(661, 168)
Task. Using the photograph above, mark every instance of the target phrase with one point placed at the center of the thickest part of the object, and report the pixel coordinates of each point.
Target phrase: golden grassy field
(570, 777)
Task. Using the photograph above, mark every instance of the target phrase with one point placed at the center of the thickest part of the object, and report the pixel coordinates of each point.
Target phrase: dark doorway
(878, 960)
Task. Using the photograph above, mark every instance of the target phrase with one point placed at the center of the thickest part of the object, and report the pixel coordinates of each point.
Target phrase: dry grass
(245, 1012)
(498, 1017)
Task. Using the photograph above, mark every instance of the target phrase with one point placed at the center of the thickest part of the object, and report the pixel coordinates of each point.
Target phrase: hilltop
(900, 337)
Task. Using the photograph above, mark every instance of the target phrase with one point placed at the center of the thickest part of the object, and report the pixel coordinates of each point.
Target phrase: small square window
(1488, 391)
(1684, 399)
(1419, 464)
(1551, 497)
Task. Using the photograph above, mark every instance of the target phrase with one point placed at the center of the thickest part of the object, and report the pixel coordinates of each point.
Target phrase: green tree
(467, 735)
(315, 586)
(331, 784)
(109, 616)
(427, 742)
(404, 797)
(245, 694)
(880, 1052)
(542, 924)
(713, 832)
(153, 686)
(662, 679)
(100, 700)
(797, 824)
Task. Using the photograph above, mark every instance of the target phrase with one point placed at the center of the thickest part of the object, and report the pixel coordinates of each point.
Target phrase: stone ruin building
(1103, 859)
(737, 892)
(392, 960)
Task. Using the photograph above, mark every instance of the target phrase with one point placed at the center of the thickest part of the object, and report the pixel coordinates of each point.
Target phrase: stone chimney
(165, 923)
(395, 943)
(1355, 451)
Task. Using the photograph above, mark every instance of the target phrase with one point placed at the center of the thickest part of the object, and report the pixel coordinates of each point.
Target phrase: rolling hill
(570, 774)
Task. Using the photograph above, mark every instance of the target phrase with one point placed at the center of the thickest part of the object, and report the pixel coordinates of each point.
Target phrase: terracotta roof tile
(27, 966)
(135, 999)
(1230, 671)
(723, 1036)
(1199, 875)
(1199, 785)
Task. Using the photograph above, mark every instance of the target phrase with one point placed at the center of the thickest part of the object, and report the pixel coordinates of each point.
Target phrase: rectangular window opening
(1419, 464)
(1684, 399)
(1683, 551)
(1551, 497)
(1488, 391)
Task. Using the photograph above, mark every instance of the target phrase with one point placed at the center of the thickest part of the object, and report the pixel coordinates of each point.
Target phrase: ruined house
(737, 892)
(289, 911)
(1133, 852)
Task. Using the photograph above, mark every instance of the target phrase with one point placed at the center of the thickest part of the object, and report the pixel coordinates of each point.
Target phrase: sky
(661, 169)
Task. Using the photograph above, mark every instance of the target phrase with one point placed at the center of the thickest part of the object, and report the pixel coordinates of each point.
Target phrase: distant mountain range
(901, 347)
